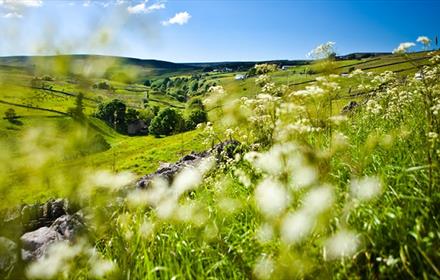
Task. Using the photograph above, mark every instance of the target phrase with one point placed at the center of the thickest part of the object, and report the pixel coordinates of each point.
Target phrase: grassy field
(309, 193)
(142, 155)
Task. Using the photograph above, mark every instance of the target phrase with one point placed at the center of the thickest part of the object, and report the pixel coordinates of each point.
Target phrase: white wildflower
(109, 180)
(271, 197)
(265, 233)
(146, 228)
(304, 176)
(339, 141)
(365, 188)
(338, 119)
(322, 51)
(296, 226)
(264, 268)
(403, 47)
(217, 89)
(186, 180)
(342, 244)
(309, 91)
(424, 40)
(319, 199)
(101, 267)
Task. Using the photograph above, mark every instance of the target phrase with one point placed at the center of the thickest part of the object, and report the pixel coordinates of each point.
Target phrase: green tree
(155, 109)
(10, 114)
(113, 113)
(196, 103)
(167, 122)
(78, 110)
(146, 115)
(131, 115)
(196, 117)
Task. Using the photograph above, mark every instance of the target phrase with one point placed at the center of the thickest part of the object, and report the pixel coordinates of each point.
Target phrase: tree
(196, 103)
(196, 117)
(167, 122)
(78, 110)
(10, 114)
(155, 109)
(147, 83)
(113, 113)
(146, 115)
(131, 116)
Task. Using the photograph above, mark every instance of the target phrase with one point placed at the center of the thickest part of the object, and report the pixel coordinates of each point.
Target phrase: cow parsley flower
(319, 199)
(296, 226)
(365, 188)
(424, 40)
(403, 47)
(264, 268)
(342, 244)
(271, 197)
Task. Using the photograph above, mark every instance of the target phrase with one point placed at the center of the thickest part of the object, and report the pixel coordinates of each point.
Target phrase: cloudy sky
(210, 30)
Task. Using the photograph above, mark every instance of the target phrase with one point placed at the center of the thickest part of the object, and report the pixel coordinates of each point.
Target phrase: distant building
(240, 77)
(222, 70)
(285, 67)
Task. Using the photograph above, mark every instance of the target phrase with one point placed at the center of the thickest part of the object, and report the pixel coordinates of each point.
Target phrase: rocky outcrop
(35, 243)
(167, 171)
(56, 220)
(8, 255)
(349, 107)
(41, 225)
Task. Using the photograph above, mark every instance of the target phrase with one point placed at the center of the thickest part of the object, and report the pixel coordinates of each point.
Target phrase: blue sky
(211, 30)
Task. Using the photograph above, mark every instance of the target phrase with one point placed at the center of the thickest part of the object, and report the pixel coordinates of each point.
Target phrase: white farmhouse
(239, 77)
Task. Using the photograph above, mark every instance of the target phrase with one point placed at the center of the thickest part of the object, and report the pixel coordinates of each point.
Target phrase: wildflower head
(403, 47)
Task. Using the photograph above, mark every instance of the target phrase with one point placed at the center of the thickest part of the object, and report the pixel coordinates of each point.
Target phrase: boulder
(35, 243)
(69, 226)
(35, 216)
(167, 171)
(8, 255)
(349, 107)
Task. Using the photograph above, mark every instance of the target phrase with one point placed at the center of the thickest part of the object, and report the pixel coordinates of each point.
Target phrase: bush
(196, 117)
(103, 85)
(10, 114)
(196, 103)
(167, 122)
(113, 113)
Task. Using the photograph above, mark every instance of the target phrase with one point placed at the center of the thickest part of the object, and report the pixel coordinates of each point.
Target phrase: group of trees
(181, 88)
(151, 120)
(170, 121)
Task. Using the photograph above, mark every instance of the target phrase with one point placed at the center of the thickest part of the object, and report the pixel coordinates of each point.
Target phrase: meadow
(308, 193)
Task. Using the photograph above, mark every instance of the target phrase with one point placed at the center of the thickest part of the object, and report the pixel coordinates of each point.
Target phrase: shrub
(196, 103)
(103, 85)
(196, 117)
(113, 113)
(167, 122)
(10, 114)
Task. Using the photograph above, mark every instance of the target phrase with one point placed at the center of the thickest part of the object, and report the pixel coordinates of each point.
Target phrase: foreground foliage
(308, 194)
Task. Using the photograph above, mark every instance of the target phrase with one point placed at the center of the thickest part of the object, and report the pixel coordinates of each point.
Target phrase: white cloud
(13, 4)
(180, 19)
(136, 9)
(13, 15)
(143, 8)
(14, 8)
